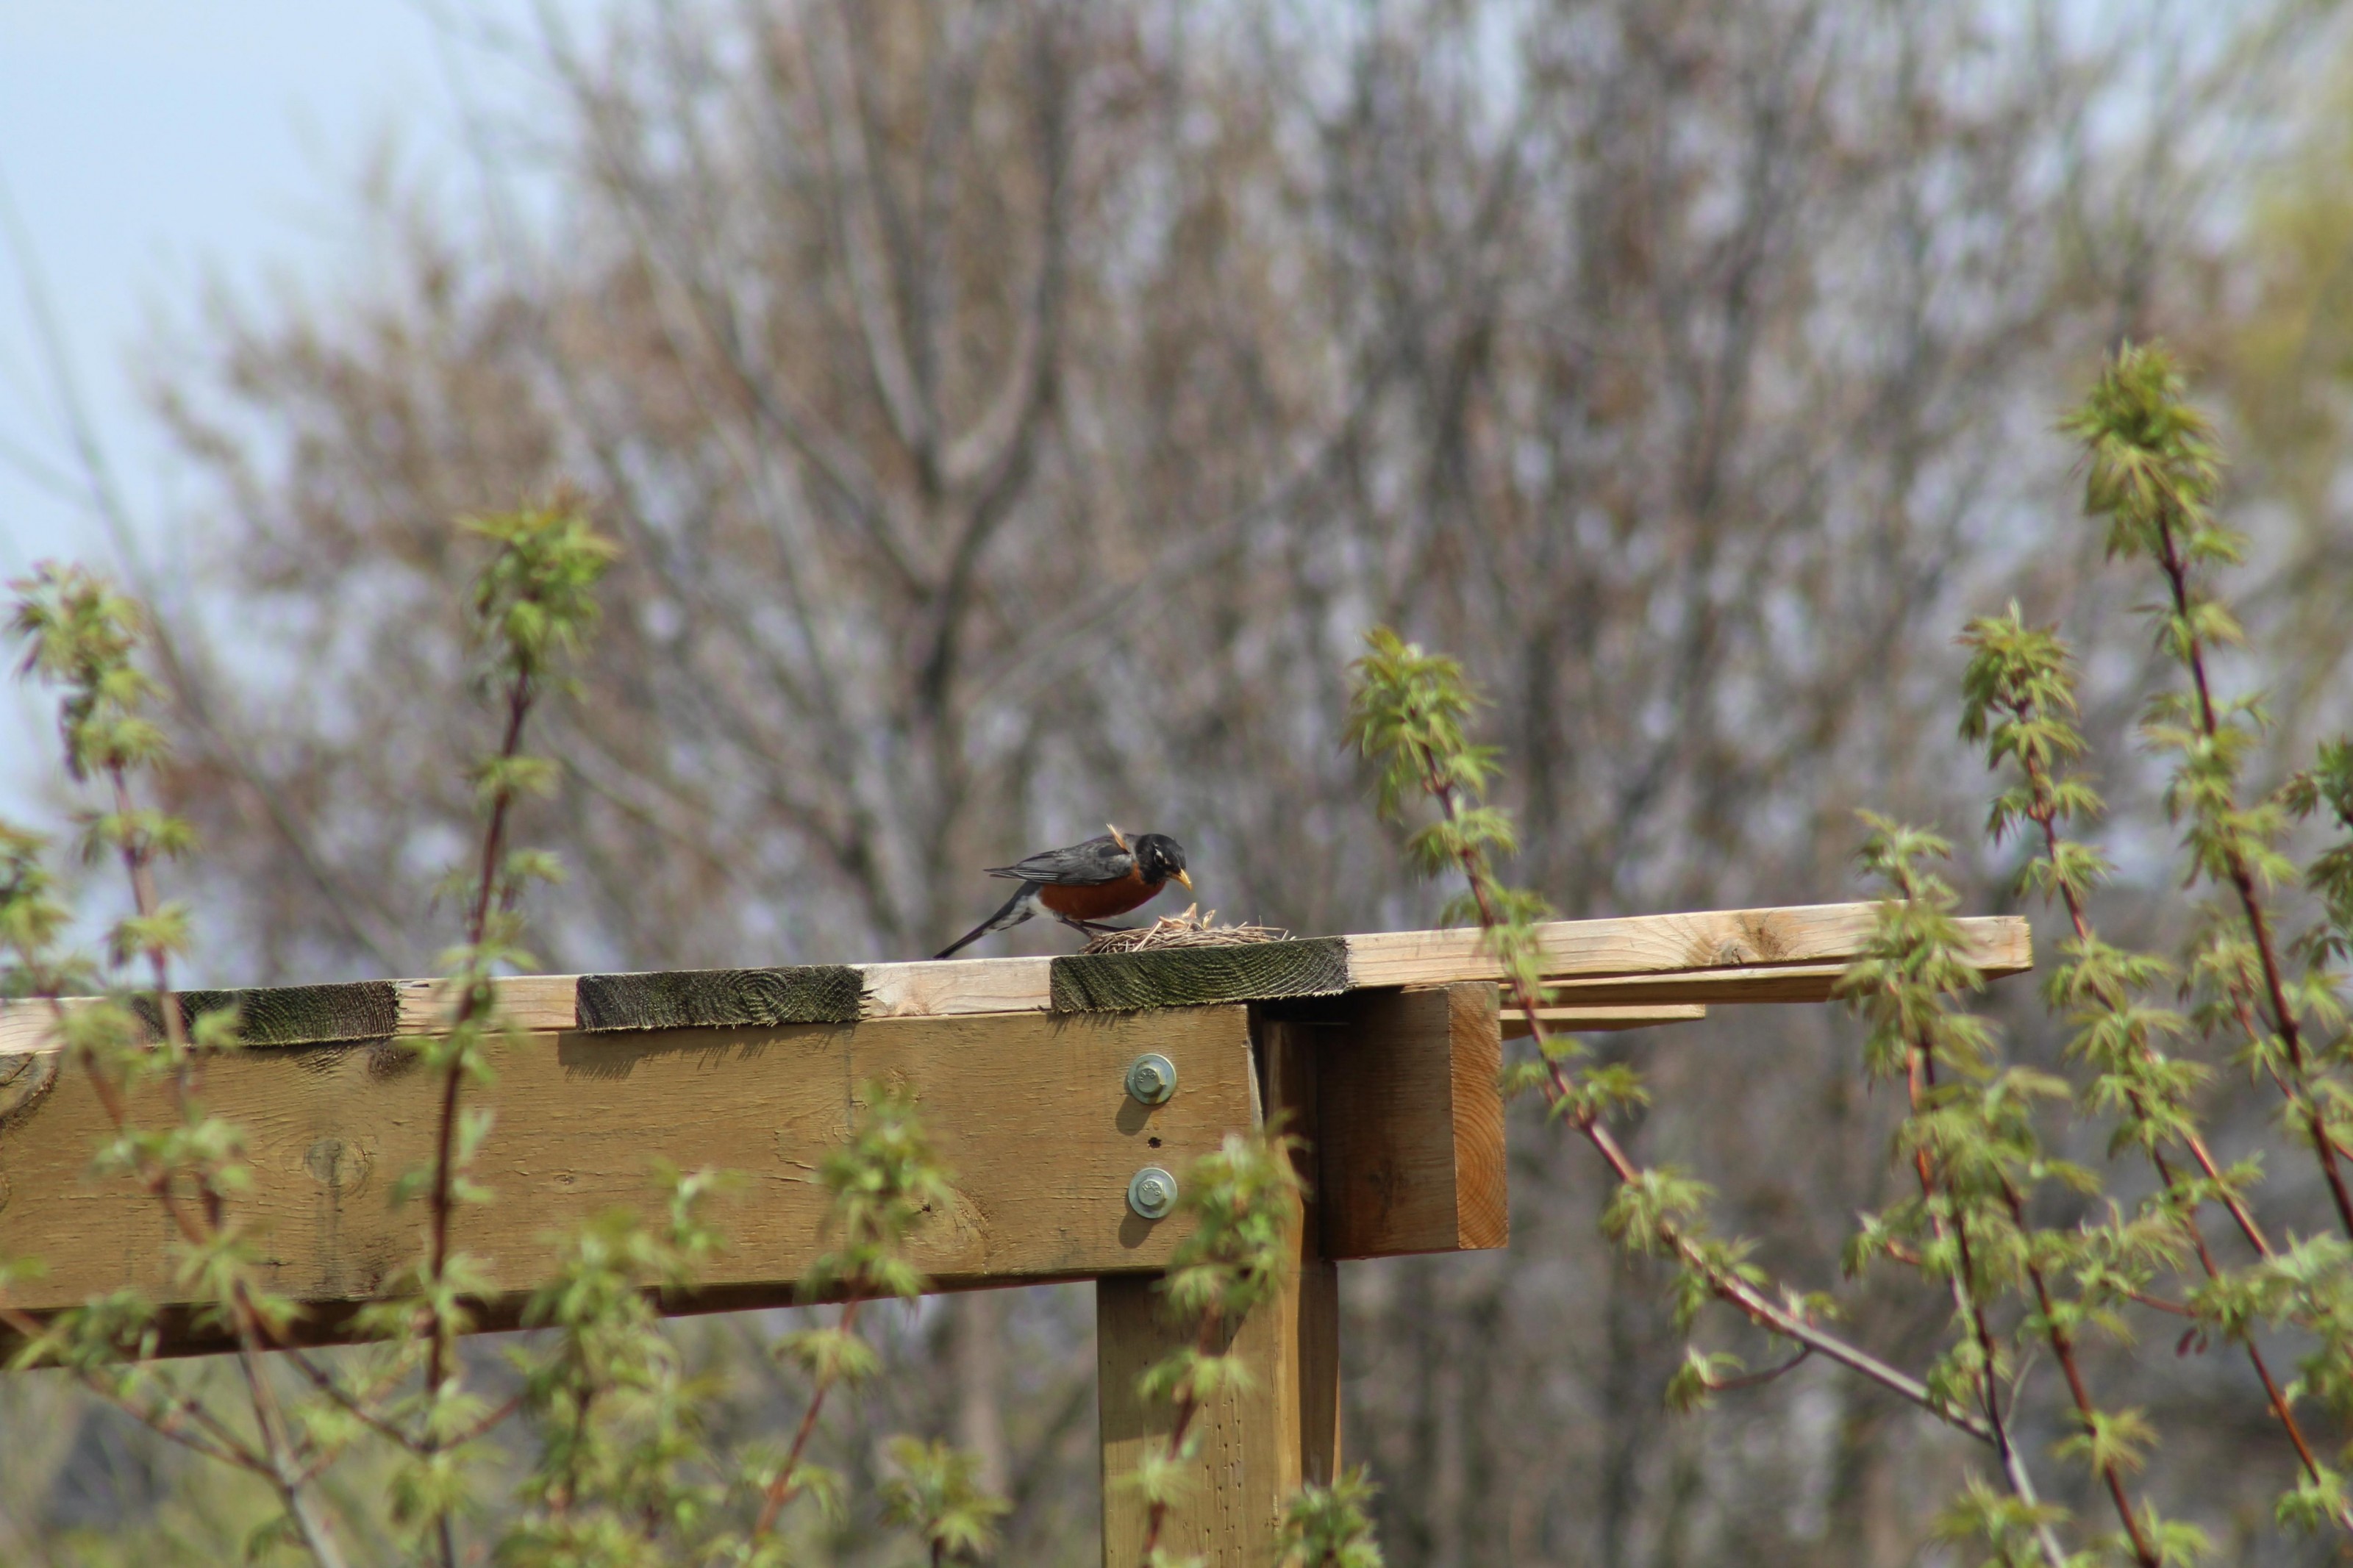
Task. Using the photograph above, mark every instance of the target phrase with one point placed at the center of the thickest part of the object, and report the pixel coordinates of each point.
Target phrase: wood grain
(27, 1024)
(1030, 1112)
(1257, 1445)
(935, 988)
(544, 1003)
(1658, 944)
(290, 1015)
(720, 998)
(1483, 1201)
(1412, 1155)
(1194, 976)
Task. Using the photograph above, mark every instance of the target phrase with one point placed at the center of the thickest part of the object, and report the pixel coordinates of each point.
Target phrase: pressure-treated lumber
(1793, 954)
(720, 998)
(1411, 1159)
(291, 1014)
(1193, 976)
(1258, 1444)
(1029, 1113)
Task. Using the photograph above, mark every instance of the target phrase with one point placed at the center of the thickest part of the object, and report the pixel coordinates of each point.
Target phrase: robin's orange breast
(1098, 900)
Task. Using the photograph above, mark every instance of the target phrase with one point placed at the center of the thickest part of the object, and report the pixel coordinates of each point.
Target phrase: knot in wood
(24, 1081)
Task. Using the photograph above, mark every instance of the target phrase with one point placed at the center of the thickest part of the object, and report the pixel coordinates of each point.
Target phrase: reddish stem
(2243, 880)
(469, 1007)
(1204, 1344)
(281, 1455)
(1920, 1076)
(2063, 1349)
(781, 1489)
(1729, 1287)
(2045, 816)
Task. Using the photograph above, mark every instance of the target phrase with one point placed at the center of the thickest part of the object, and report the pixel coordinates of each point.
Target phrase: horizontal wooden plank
(1196, 976)
(538, 1002)
(1723, 954)
(1658, 944)
(720, 998)
(1600, 1020)
(942, 988)
(1030, 1112)
(30, 1024)
(291, 1014)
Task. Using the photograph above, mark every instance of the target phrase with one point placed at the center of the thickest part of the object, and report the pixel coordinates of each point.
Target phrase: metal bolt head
(1152, 1079)
(1152, 1193)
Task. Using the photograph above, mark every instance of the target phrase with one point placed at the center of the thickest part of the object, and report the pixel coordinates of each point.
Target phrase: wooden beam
(1600, 1020)
(291, 1014)
(1030, 1112)
(939, 988)
(549, 1003)
(1412, 1155)
(1256, 1445)
(720, 998)
(1192, 976)
(1679, 944)
(1761, 956)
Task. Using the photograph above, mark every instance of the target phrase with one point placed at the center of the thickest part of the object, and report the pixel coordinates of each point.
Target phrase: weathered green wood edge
(291, 1014)
(1199, 976)
(720, 998)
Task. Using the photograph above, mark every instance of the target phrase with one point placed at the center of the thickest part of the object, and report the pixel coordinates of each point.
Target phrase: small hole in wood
(1155, 1143)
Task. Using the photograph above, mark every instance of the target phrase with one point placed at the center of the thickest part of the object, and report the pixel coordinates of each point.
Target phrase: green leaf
(1329, 1526)
(936, 1495)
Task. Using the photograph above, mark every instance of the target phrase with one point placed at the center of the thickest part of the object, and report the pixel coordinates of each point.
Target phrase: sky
(148, 145)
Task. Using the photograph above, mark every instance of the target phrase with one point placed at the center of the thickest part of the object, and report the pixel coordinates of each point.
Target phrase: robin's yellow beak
(1186, 880)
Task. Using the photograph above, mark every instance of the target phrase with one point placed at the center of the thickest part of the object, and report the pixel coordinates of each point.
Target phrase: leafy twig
(1244, 1202)
(2021, 701)
(1407, 715)
(1968, 1141)
(534, 605)
(2153, 473)
(882, 1182)
(80, 636)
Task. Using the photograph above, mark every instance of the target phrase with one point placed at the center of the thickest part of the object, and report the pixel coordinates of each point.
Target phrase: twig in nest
(1190, 928)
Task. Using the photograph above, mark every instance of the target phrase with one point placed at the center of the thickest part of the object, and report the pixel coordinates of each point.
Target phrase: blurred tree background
(1013, 413)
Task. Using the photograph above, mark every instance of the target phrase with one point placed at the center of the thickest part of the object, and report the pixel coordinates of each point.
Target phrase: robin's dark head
(1159, 858)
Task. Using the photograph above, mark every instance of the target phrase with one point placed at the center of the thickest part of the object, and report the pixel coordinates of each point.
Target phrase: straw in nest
(1190, 928)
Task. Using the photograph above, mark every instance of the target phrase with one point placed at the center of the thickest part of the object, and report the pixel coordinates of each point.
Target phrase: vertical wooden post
(1412, 1157)
(1256, 1446)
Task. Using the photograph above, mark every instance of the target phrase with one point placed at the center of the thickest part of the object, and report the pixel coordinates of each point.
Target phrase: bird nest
(1190, 928)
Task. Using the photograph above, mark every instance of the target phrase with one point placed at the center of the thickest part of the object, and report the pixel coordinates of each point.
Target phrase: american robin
(1085, 883)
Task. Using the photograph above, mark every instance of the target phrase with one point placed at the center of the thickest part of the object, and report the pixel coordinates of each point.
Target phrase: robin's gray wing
(1082, 864)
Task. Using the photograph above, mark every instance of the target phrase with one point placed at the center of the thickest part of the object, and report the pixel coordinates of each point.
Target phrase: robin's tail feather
(1012, 914)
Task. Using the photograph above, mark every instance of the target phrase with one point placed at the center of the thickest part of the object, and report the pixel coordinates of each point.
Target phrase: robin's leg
(1093, 927)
